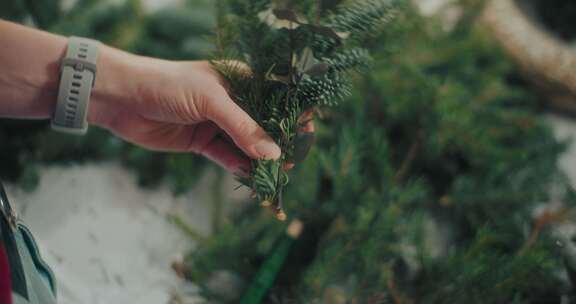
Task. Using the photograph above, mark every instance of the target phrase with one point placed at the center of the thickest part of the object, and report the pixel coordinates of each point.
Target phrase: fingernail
(268, 150)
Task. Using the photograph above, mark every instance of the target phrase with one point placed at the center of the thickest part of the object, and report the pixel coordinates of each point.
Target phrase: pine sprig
(349, 59)
(361, 17)
(326, 91)
(290, 65)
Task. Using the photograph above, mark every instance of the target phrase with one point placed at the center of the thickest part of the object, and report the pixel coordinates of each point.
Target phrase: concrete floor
(108, 240)
(565, 129)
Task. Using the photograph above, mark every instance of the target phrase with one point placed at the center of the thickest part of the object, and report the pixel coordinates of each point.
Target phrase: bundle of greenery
(298, 55)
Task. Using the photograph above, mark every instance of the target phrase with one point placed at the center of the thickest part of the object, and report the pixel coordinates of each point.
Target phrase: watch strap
(77, 76)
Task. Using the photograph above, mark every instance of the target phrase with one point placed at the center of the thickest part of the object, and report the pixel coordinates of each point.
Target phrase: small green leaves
(265, 178)
(305, 64)
(328, 32)
(306, 60)
(318, 69)
(309, 65)
(268, 180)
(285, 79)
(281, 18)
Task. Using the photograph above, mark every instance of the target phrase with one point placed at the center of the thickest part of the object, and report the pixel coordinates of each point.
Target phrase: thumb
(243, 130)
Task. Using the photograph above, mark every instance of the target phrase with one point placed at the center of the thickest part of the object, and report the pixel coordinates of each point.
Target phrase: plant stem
(184, 227)
(410, 158)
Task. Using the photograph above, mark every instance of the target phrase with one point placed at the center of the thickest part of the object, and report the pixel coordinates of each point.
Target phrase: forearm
(30, 67)
(158, 104)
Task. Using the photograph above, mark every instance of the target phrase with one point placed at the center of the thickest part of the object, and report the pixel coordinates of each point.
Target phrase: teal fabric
(32, 280)
(40, 280)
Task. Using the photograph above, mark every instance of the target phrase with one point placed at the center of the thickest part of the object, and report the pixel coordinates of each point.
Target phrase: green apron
(32, 280)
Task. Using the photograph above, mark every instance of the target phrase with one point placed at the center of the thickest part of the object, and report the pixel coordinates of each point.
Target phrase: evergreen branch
(361, 17)
(354, 58)
(294, 66)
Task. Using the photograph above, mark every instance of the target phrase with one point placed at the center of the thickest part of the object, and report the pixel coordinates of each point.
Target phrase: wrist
(115, 87)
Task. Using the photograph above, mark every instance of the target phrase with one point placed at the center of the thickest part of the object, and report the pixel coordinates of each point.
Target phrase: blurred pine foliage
(422, 188)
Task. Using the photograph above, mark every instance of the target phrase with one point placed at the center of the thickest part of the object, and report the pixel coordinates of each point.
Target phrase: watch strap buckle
(79, 65)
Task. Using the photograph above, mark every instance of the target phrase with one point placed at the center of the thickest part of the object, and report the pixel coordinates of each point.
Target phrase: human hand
(177, 106)
(158, 104)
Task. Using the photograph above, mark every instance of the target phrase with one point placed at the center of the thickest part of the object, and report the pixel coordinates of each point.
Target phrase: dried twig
(410, 158)
(547, 217)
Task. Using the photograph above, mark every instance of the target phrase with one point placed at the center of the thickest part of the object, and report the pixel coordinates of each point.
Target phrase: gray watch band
(77, 76)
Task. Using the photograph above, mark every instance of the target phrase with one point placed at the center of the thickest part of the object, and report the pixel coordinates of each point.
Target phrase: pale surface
(108, 240)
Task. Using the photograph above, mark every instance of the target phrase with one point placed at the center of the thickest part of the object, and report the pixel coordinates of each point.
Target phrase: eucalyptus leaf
(285, 14)
(289, 15)
(343, 35)
(326, 31)
(306, 60)
(285, 79)
(318, 69)
(268, 17)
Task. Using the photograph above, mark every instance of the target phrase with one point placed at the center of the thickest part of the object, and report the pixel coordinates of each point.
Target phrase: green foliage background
(422, 187)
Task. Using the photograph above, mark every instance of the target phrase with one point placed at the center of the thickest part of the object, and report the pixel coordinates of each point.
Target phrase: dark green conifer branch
(280, 62)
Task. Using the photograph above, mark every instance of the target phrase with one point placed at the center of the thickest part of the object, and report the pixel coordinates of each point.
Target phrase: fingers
(243, 130)
(227, 156)
(204, 138)
(209, 140)
(202, 134)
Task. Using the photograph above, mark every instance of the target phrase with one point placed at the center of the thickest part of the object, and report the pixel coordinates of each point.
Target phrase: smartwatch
(77, 76)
